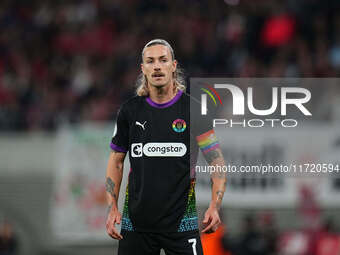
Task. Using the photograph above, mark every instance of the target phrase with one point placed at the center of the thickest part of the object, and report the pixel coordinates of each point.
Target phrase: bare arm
(218, 180)
(114, 174)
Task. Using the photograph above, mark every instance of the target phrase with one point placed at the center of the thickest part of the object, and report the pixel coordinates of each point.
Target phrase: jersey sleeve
(207, 141)
(120, 138)
(203, 130)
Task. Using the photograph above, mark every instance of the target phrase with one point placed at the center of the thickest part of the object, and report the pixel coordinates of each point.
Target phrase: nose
(157, 66)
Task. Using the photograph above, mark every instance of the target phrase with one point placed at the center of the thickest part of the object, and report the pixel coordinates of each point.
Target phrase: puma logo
(140, 124)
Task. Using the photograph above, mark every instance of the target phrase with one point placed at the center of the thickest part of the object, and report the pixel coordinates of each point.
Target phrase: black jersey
(160, 195)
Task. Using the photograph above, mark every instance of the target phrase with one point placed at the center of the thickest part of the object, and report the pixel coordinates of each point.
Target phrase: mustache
(158, 74)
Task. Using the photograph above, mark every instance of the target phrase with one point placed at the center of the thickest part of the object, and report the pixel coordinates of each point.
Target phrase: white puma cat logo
(140, 124)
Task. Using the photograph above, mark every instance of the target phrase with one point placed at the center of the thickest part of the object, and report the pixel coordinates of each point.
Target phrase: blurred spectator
(326, 241)
(77, 60)
(8, 242)
(293, 243)
(270, 232)
(251, 241)
(309, 208)
(259, 236)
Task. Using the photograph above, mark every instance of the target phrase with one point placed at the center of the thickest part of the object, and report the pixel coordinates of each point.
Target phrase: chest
(160, 125)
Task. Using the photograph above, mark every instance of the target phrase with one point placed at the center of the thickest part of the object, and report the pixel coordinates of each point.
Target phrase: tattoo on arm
(119, 167)
(211, 156)
(219, 194)
(218, 202)
(219, 174)
(109, 208)
(110, 185)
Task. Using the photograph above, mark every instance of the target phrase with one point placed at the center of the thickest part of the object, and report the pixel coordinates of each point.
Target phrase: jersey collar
(167, 104)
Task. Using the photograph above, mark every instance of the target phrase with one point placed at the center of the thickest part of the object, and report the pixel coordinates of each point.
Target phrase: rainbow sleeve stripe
(126, 221)
(207, 141)
(189, 221)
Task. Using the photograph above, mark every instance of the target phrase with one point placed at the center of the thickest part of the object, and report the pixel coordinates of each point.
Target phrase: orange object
(212, 243)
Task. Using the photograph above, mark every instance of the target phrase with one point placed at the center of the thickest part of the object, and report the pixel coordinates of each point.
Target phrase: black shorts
(143, 243)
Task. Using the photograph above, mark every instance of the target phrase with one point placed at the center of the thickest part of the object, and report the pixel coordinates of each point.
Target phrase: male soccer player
(160, 211)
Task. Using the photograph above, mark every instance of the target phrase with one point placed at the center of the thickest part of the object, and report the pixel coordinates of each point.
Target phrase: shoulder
(132, 103)
(191, 100)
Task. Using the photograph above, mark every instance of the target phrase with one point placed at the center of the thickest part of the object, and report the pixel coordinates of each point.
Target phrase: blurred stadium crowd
(72, 61)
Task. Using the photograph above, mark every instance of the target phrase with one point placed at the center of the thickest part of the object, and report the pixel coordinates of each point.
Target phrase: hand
(212, 218)
(114, 217)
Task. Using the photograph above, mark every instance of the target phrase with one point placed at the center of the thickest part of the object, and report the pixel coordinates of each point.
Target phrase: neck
(162, 94)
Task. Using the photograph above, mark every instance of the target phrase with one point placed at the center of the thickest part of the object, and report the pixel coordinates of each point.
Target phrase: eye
(164, 60)
(149, 61)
